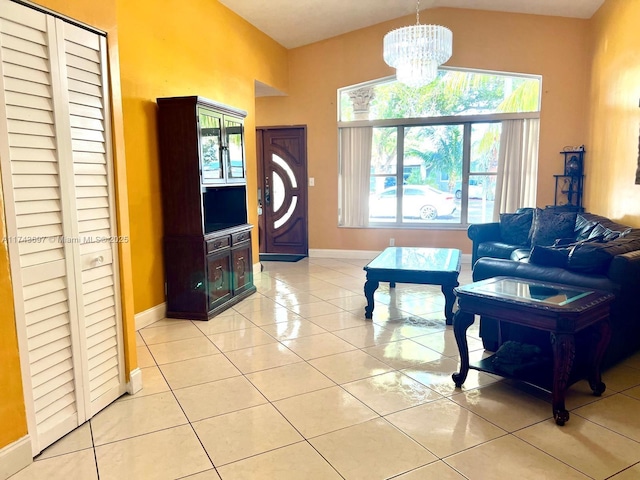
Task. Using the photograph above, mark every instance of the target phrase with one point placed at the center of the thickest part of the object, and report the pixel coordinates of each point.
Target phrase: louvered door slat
(27, 168)
(19, 72)
(16, 99)
(46, 231)
(27, 86)
(99, 316)
(42, 301)
(84, 76)
(81, 110)
(55, 395)
(47, 218)
(32, 20)
(24, 59)
(55, 357)
(62, 406)
(83, 64)
(49, 349)
(18, 112)
(35, 206)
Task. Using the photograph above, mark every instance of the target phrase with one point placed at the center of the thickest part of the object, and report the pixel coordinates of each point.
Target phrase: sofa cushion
(548, 225)
(495, 249)
(596, 257)
(515, 227)
(549, 256)
(520, 255)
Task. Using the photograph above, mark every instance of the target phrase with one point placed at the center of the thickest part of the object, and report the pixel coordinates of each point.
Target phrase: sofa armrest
(625, 269)
(482, 232)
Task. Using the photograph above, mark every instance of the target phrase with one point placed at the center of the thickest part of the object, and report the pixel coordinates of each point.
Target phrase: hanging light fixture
(417, 51)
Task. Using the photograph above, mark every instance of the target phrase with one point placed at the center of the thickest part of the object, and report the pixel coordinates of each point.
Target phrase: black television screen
(224, 207)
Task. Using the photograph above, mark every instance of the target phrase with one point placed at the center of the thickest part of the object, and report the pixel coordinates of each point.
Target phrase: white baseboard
(329, 253)
(361, 254)
(257, 268)
(135, 381)
(153, 314)
(15, 457)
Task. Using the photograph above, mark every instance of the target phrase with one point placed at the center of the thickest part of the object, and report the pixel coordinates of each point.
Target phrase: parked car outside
(475, 189)
(419, 201)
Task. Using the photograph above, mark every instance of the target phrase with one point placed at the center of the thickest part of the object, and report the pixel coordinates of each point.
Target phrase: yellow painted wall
(553, 47)
(177, 48)
(12, 414)
(614, 116)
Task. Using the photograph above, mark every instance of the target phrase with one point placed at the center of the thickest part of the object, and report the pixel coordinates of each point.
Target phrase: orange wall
(12, 414)
(549, 46)
(614, 116)
(183, 47)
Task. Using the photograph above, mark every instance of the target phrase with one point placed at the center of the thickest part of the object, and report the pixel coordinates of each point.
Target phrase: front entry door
(282, 195)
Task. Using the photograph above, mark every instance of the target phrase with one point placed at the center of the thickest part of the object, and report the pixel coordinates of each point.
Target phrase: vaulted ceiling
(294, 23)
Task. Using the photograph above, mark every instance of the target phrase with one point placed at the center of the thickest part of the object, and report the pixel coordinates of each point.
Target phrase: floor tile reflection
(294, 383)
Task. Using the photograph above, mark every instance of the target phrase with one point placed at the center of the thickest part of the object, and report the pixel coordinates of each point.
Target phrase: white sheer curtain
(355, 156)
(517, 178)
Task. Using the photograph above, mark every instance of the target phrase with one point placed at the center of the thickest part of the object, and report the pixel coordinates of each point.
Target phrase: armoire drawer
(218, 243)
(240, 237)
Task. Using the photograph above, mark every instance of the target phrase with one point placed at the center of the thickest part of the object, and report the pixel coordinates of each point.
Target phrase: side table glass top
(417, 259)
(527, 291)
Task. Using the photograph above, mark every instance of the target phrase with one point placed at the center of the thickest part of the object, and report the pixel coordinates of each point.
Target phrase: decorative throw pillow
(548, 225)
(611, 235)
(598, 230)
(515, 227)
(583, 227)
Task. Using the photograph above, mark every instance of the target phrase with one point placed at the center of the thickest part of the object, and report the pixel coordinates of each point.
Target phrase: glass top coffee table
(561, 310)
(426, 266)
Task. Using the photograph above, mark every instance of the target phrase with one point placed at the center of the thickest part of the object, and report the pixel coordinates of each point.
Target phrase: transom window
(441, 142)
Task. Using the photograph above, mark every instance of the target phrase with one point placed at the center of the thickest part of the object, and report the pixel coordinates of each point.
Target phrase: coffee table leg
(370, 286)
(462, 321)
(603, 336)
(449, 300)
(563, 354)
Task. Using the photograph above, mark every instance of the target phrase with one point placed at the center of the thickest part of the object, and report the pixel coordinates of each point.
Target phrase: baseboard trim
(151, 315)
(135, 381)
(330, 253)
(360, 254)
(14, 457)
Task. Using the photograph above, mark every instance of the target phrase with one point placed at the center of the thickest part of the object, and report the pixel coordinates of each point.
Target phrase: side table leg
(602, 337)
(370, 287)
(563, 354)
(449, 300)
(462, 321)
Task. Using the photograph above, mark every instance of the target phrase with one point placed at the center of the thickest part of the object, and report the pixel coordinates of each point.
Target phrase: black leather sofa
(618, 271)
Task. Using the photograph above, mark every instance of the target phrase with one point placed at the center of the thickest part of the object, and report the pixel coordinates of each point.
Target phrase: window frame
(401, 123)
(466, 121)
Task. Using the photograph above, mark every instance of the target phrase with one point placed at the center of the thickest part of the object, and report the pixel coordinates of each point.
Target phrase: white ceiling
(294, 23)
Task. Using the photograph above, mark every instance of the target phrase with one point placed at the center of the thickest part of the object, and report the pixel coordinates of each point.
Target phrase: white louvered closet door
(56, 178)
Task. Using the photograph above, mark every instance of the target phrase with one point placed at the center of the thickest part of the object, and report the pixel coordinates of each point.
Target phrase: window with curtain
(438, 156)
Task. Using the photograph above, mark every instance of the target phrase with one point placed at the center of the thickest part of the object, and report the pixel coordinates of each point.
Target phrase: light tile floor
(293, 383)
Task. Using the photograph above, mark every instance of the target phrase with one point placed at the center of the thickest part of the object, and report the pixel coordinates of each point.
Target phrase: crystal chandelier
(417, 51)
